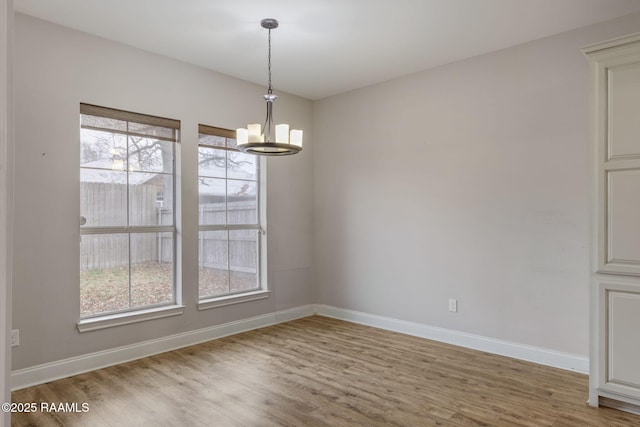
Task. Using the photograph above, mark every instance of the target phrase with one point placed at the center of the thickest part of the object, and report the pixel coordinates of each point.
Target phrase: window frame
(261, 291)
(153, 311)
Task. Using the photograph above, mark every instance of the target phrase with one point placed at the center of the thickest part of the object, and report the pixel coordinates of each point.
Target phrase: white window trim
(113, 320)
(208, 303)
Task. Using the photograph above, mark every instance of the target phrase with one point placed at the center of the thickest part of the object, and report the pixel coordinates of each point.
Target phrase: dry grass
(107, 290)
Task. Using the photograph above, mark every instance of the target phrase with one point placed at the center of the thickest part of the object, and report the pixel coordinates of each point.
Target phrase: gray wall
(56, 68)
(468, 181)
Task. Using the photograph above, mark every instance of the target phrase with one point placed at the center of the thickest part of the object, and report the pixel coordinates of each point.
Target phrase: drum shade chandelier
(281, 143)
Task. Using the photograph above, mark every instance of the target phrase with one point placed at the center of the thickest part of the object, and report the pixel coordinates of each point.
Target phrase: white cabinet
(617, 374)
(614, 69)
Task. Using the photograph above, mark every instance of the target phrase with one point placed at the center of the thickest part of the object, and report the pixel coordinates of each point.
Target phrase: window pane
(243, 260)
(214, 263)
(242, 165)
(242, 202)
(232, 143)
(151, 269)
(151, 130)
(150, 155)
(150, 199)
(103, 150)
(103, 122)
(213, 140)
(212, 201)
(212, 162)
(103, 197)
(104, 273)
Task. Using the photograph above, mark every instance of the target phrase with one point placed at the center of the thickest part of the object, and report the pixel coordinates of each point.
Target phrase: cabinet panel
(623, 217)
(624, 105)
(623, 345)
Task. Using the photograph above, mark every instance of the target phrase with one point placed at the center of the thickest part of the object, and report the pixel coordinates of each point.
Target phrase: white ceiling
(324, 47)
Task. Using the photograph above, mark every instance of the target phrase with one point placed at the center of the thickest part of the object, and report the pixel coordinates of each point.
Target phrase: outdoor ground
(151, 283)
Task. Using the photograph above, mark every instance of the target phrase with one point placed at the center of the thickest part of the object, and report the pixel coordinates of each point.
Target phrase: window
(229, 238)
(127, 215)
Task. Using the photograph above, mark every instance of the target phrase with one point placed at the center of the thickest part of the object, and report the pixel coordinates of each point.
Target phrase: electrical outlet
(453, 305)
(15, 337)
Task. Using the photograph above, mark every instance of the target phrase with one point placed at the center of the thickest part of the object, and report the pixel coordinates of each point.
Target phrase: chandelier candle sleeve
(282, 134)
(296, 138)
(255, 134)
(263, 141)
(242, 136)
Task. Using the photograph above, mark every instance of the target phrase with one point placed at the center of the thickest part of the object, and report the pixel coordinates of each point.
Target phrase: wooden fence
(105, 204)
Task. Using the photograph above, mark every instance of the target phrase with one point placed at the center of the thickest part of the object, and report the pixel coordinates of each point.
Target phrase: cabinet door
(623, 217)
(618, 152)
(620, 337)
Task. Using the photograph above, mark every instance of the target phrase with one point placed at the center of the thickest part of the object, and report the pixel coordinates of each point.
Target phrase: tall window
(229, 218)
(127, 182)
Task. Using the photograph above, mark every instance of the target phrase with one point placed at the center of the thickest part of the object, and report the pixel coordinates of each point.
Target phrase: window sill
(206, 304)
(110, 321)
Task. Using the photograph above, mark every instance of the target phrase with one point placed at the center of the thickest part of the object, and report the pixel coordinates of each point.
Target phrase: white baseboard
(40, 374)
(294, 313)
(539, 355)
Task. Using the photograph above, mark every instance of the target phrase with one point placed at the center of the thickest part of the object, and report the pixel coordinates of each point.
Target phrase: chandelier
(253, 139)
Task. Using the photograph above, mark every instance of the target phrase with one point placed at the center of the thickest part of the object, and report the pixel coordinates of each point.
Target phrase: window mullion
(124, 230)
(226, 214)
(226, 187)
(128, 204)
(215, 227)
(127, 180)
(228, 261)
(129, 270)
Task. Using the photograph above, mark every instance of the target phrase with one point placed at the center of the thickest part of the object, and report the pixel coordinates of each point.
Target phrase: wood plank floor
(318, 371)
